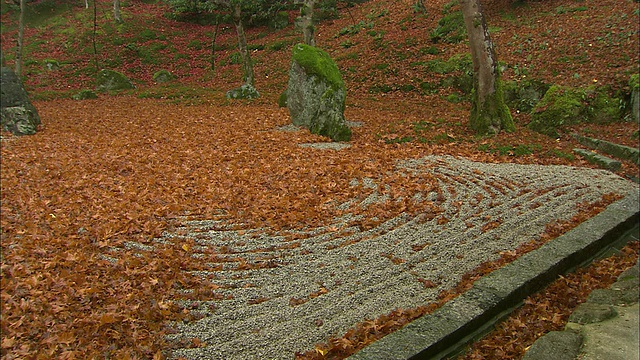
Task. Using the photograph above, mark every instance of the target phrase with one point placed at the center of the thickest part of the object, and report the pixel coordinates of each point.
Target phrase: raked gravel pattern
(290, 299)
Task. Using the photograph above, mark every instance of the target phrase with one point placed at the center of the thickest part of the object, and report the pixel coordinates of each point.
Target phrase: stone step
(600, 160)
(619, 151)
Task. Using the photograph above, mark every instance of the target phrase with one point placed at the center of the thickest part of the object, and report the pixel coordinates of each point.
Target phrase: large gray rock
(316, 93)
(17, 114)
(589, 313)
(557, 345)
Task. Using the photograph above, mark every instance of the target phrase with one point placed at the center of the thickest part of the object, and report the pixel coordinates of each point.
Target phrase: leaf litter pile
(117, 224)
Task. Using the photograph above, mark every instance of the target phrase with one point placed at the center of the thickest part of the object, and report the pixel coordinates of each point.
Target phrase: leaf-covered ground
(120, 168)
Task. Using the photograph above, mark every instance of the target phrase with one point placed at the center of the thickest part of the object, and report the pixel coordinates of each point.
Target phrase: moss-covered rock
(316, 93)
(162, 76)
(245, 91)
(558, 107)
(523, 95)
(563, 106)
(110, 80)
(317, 62)
(84, 95)
(602, 108)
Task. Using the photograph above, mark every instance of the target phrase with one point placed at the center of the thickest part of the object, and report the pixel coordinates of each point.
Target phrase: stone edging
(616, 150)
(585, 335)
(447, 330)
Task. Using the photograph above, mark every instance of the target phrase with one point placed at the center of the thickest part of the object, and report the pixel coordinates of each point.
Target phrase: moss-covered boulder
(563, 106)
(601, 107)
(245, 91)
(523, 95)
(558, 107)
(634, 84)
(110, 80)
(85, 95)
(316, 93)
(162, 76)
(17, 114)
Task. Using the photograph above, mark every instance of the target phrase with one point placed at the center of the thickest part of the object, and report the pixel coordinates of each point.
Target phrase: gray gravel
(374, 274)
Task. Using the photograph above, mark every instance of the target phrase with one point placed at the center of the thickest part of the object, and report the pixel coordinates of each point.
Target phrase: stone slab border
(616, 150)
(446, 331)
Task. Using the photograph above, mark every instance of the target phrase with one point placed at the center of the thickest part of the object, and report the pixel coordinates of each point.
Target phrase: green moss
(334, 130)
(560, 106)
(317, 62)
(523, 95)
(494, 113)
(450, 29)
(282, 99)
(112, 80)
(84, 95)
(279, 21)
(51, 64)
(634, 82)
(162, 76)
(602, 107)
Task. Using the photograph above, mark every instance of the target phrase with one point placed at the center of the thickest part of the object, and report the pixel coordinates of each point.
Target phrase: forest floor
(128, 167)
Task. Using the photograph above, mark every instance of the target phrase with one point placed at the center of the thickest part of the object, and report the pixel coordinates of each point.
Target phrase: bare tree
(306, 22)
(489, 113)
(235, 6)
(116, 11)
(20, 39)
(247, 63)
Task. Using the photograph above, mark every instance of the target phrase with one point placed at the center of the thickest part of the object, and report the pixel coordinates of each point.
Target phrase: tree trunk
(213, 44)
(308, 30)
(116, 11)
(489, 113)
(247, 64)
(20, 39)
(95, 31)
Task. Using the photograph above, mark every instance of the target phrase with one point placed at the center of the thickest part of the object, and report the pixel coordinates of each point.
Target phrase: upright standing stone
(316, 93)
(17, 114)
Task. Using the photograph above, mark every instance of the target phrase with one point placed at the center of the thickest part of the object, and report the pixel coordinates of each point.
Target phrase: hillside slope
(379, 44)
